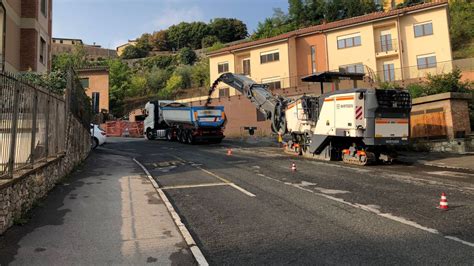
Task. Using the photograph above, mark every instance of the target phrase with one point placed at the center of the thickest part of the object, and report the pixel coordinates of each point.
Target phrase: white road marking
(220, 178)
(200, 259)
(374, 209)
(195, 186)
(322, 190)
(227, 181)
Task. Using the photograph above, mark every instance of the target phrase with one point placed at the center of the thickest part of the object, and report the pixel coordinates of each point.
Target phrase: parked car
(98, 136)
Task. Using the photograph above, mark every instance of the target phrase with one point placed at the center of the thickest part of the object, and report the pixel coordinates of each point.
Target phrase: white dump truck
(187, 124)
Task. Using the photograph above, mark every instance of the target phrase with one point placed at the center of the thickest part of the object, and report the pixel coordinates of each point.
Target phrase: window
(246, 66)
(224, 92)
(423, 29)
(313, 59)
(426, 61)
(348, 41)
(386, 42)
(268, 57)
(272, 83)
(223, 67)
(260, 116)
(42, 57)
(388, 72)
(355, 68)
(43, 7)
(95, 102)
(84, 82)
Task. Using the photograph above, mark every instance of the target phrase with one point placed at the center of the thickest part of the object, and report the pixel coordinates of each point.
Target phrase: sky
(112, 22)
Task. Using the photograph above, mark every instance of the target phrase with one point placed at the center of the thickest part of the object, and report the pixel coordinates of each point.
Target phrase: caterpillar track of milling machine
(358, 126)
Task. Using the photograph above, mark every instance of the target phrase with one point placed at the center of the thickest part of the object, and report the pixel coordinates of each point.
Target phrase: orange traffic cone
(443, 204)
(229, 152)
(293, 167)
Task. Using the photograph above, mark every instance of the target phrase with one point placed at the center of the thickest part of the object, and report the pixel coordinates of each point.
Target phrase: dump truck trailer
(187, 124)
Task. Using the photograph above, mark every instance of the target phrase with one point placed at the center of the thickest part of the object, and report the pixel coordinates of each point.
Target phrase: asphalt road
(249, 208)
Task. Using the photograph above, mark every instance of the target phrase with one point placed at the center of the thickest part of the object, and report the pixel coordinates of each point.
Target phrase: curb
(201, 260)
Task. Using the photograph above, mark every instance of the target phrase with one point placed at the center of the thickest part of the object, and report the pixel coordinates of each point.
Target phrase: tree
(187, 35)
(156, 79)
(315, 11)
(159, 61)
(119, 76)
(187, 56)
(279, 23)
(462, 25)
(342, 9)
(296, 13)
(200, 74)
(216, 46)
(185, 73)
(75, 59)
(209, 41)
(144, 42)
(228, 29)
(159, 41)
(133, 52)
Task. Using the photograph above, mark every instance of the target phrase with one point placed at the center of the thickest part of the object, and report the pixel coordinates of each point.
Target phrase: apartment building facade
(95, 81)
(26, 40)
(399, 44)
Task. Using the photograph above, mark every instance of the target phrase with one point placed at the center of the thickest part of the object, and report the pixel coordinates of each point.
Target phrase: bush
(450, 82)
(159, 61)
(416, 90)
(187, 56)
(133, 52)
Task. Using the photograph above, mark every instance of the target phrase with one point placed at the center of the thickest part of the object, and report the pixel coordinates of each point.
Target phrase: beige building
(399, 44)
(122, 47)
(93, 52)
(67, 41)
(26, 40)
(394, 46)
(269, 64)
(95, 80)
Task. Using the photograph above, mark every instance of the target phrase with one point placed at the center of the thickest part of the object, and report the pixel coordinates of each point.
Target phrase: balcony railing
(386, 46)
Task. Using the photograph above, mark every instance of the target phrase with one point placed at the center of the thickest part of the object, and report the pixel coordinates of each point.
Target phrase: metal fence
(32, 125)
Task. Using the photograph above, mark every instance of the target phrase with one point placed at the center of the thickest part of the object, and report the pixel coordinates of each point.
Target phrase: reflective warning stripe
(344, 98)
(359, 113)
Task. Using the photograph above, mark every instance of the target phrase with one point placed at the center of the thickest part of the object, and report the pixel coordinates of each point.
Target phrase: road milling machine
(358, 126)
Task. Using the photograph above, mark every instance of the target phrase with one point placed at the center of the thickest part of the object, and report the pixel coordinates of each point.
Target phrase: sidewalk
(107, 212)
(445, 160)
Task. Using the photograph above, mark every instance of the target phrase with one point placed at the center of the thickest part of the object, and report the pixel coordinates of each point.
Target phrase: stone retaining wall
(18, 195)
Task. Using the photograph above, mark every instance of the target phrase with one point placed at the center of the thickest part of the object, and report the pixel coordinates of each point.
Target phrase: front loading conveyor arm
(272, 106)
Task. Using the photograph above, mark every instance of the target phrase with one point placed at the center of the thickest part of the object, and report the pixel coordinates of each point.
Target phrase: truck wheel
(189, 137)
(179, 136)
(150, 135)
(169, 135)
(94, 143)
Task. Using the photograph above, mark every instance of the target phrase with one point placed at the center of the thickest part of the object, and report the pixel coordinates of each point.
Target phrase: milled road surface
(249, 208)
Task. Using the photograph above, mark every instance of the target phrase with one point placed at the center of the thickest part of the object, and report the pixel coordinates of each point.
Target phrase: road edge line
(198, 256)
